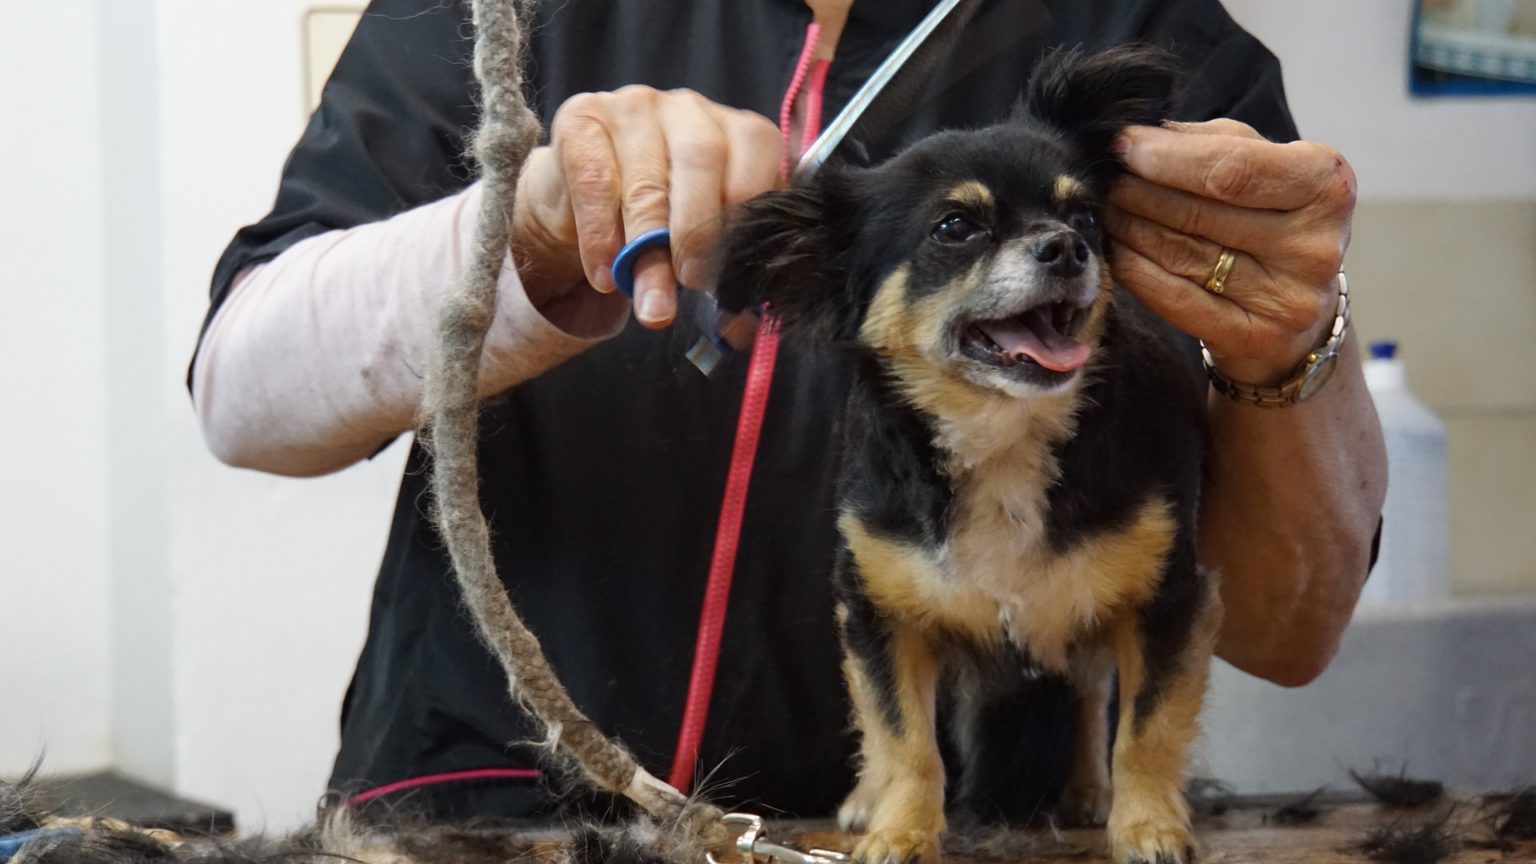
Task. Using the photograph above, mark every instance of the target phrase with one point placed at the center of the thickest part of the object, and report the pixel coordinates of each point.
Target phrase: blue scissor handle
(624, 265)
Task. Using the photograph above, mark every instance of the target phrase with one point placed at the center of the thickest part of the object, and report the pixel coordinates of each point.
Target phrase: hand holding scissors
(625, 164)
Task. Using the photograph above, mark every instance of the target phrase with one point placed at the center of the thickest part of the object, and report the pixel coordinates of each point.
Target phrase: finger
(751, 167)
(645, 200)
(541, 190)
(1180, 301)
(1242, 171)
(1218, 126)
(543, 228)
(698, 150)
(590, 170)
(1259, 349)
(1253, 231)
(1288, 304)
(1302, 244)
(756, 151)
(1193, 258)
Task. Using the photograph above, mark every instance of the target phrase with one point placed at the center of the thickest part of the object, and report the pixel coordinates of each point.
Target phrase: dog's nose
(1065, 253)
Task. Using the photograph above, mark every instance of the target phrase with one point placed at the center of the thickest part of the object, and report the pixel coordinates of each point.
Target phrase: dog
(1023, 447)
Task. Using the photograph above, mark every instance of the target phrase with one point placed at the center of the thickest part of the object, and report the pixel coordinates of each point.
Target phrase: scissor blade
(896, 81)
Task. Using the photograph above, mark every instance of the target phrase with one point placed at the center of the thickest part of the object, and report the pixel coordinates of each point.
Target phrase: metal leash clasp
(753, 846)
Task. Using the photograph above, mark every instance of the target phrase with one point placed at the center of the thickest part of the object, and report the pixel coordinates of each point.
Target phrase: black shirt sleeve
(1227, 72)
(1238, 77)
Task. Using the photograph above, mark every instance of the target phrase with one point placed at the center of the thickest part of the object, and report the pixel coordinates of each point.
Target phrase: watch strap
(1295, 389)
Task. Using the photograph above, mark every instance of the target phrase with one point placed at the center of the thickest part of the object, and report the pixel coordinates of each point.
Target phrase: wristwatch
(1315, 369)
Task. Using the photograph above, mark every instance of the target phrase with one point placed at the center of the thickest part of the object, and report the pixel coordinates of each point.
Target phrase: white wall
(189, 624)
(142, 605)
(272, 575)
(54, 520)
(1346, 73)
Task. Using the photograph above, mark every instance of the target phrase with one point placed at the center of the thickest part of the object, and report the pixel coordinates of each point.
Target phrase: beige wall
(1455, 283)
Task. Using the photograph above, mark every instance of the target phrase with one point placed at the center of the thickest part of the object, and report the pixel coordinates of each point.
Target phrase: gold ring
(1224, 264)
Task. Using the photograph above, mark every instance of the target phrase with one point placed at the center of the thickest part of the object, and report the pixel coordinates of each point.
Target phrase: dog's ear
(1091, 97)
(787, 249)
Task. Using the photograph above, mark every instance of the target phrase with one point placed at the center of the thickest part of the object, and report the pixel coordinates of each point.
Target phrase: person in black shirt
(603, 460)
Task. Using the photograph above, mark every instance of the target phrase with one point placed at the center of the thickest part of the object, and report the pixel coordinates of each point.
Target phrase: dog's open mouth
(1044, 335)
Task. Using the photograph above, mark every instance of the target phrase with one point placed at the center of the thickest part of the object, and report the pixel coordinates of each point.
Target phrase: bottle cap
(1383, 349)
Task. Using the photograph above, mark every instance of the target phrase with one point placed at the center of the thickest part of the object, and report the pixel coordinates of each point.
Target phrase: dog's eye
(1085, 222)
(956, 228)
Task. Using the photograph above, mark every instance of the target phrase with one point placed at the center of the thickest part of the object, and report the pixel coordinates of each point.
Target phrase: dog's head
(973, 258)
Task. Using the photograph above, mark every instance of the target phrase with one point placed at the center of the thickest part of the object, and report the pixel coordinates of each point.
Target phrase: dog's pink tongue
(1033, 335)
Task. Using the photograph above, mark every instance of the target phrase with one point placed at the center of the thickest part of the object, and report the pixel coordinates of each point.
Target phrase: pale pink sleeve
(316, 357)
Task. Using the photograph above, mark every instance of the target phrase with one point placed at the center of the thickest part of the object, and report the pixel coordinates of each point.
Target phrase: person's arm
(315, 358)
(1288, 516)
(1293, 495)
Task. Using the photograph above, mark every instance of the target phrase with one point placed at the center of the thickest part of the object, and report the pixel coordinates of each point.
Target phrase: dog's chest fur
(994, 570)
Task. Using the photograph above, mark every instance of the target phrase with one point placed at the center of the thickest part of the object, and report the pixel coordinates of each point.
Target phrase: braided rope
(508, 132)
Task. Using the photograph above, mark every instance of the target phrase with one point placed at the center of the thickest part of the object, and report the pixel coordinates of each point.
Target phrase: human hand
(620, 164)
(1284, 209)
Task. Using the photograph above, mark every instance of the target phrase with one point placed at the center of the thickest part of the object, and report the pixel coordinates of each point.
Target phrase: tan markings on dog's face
(912, 335)
(1093, 327)
(1066, 189)
(1150, 818)
(884, 326)
(906, 329)
(972, 196)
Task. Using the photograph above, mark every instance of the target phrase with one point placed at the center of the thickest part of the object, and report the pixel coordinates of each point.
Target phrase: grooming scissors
(711, 347)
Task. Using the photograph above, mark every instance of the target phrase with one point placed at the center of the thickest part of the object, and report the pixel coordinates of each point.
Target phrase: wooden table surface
(1241, 835)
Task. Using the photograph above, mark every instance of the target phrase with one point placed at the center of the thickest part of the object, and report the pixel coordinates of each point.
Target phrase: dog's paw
(1084, 805)
(853, 816)
(1152, 842)
(897, 847)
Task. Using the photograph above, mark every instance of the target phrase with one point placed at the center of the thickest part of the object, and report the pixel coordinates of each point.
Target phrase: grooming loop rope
(508, 132)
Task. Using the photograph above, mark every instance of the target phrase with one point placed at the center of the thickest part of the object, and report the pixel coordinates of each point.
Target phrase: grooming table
(1244, 834)
(113, 796)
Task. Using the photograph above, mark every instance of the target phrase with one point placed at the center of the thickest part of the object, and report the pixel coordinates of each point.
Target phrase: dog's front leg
(899, 799)
(1086, 798)
(1162, 688)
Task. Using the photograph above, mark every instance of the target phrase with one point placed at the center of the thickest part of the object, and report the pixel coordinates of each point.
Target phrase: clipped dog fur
(1399, 790)
(1401, 843)
(1022, 451)
(1302, 811)
(1515, 814)
(336, 837)
(1208, 797)
(20, 809)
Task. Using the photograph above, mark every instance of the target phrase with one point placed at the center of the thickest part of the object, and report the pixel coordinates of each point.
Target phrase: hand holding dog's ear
(1284, 209)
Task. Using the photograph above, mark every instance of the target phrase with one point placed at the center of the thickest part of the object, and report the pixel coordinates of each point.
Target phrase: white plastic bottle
(1415, 559)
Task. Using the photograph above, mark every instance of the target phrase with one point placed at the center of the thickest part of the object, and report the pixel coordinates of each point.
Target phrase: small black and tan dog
(1023, 445)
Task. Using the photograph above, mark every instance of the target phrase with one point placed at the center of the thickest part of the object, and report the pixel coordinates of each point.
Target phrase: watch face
(1314, 378)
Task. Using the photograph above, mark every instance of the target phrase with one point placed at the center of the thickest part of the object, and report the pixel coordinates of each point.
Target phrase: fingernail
(1121, 146)
(687, 275)
(654, 307)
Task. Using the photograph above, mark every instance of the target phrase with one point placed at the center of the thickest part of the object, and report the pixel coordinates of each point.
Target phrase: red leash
(722, 565)
(749, 424)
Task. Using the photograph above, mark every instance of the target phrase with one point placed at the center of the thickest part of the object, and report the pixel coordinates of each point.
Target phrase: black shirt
(602, 478)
